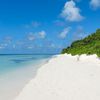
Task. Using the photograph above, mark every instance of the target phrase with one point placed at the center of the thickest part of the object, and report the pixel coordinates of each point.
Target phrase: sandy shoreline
(65, 78)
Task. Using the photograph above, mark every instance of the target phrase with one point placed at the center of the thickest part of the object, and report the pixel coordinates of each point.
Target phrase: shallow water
(16, 71)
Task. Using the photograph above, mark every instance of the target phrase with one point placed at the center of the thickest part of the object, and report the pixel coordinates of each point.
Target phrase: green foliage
(89, 45)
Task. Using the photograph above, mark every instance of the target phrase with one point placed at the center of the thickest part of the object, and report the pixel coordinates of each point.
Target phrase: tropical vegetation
(89, 45)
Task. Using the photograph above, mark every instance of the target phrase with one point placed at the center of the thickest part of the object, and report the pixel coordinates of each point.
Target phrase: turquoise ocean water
(16, 71)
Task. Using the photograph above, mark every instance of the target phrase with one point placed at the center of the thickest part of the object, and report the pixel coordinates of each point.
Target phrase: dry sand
(65, 77)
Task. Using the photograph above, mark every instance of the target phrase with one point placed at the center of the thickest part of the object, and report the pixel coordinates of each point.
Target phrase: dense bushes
(88, 45)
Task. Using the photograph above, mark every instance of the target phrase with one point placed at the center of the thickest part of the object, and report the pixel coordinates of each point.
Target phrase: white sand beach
(65, 78)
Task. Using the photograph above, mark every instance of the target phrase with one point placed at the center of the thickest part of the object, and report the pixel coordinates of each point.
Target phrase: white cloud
(79, 33)
(2, 47)
(31, 36)
(33, 24)
(52, 45)
(42, 34)
(34, 36)
(64, 33)
(4, 44)
(59, 23)
(30, 47)
(8, 39)
(71, 12)
(95, 4)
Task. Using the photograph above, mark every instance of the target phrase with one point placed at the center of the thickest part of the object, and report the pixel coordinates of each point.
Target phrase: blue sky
(45, 26)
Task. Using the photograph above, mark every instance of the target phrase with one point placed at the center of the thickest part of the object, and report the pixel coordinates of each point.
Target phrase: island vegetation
(89, 45)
